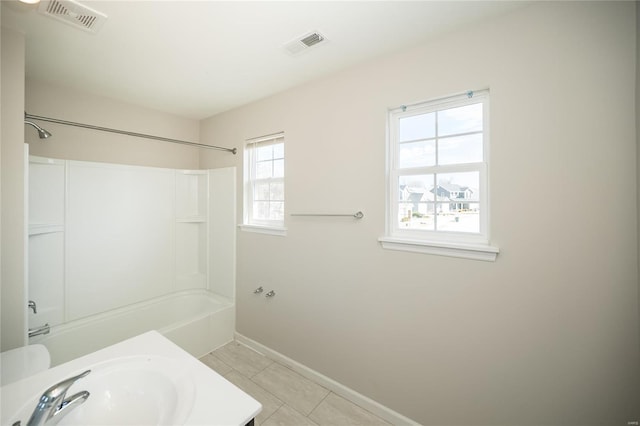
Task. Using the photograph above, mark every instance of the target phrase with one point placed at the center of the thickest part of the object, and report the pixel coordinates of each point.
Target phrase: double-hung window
(264, 184)
(437, 194)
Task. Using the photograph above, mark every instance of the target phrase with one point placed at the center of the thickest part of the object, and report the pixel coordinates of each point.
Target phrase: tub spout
(44, 329)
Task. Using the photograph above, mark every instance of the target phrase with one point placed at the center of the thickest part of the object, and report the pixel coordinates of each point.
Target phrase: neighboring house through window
(264, 203)
(438, 160)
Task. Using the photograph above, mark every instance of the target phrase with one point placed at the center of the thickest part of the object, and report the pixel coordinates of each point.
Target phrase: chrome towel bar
(357, 215)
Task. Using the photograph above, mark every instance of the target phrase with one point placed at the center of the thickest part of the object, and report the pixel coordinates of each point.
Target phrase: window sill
(270, 230)
(483, 252)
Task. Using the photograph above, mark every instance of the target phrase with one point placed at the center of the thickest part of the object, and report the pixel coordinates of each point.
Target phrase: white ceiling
(199, 58)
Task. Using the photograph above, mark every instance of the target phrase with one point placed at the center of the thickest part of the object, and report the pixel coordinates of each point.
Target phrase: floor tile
(216, 364)
(296, 391)
(270, 403)
(242, 359)
(335, 410)
(287, 416)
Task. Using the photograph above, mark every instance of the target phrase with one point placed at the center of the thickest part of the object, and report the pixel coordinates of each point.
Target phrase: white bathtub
(198, 321)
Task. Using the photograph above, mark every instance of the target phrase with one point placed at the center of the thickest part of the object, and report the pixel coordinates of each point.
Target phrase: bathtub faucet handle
(258, 290)
(32, 305)
(270, 294)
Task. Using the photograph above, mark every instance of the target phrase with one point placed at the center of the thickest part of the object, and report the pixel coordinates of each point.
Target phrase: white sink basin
(134, 391)
(142, 390)
(146, 380)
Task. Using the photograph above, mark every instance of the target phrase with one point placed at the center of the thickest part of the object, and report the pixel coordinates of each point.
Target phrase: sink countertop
(217, 401)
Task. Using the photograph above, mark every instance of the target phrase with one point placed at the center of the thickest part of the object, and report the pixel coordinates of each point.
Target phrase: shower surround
(116, 250)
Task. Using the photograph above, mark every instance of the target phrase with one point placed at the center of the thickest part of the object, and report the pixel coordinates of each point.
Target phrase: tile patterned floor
(287, 398)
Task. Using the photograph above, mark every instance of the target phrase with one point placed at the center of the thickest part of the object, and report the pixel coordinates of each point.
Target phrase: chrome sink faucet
(53, 404)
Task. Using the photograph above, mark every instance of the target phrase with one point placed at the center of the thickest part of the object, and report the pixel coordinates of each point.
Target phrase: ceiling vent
(73, 13)
(303, 43)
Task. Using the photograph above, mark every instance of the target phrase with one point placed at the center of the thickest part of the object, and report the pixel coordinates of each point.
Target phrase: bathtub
(196, 320)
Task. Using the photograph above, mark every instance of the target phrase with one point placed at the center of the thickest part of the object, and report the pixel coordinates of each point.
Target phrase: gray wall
(13, 317)
(548, 334)
(638, 141)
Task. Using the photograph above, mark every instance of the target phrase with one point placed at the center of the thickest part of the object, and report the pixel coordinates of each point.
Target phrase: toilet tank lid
(16, 364)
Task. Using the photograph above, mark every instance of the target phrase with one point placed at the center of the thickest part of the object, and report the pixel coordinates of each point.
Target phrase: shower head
(42, 133)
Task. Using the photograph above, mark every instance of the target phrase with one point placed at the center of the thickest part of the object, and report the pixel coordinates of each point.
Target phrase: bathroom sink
(135, 391)
(147, 390)
(146, 380)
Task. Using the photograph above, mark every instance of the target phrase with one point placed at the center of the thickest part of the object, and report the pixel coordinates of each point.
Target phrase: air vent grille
(304, 42)
(312, 39)
(73, 13)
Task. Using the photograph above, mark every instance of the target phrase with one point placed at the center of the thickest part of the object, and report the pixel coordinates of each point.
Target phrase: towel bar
(357, 215)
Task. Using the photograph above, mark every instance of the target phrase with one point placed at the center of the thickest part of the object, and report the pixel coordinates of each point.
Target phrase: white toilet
(16, 364)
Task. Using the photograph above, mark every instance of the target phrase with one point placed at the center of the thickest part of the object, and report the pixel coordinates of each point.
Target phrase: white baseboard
(368, 404)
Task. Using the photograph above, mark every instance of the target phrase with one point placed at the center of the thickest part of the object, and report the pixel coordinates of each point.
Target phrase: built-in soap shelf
(45, 228)
(192, 219)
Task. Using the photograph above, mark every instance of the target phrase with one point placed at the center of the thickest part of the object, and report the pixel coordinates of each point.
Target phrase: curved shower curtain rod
(124, 132)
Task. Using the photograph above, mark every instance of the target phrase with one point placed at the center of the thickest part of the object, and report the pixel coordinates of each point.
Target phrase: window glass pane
(463, 119)
(421, 126)
(460, 149)
(415, 207)
(458, 186)
(261, 210)
(278, 150)
(277, 211)
(417, 154)
(458, 202)
(264, 152)
(261, 191)
(276, 191)
(458, 216)
(278, 168)
(416, 216)
(263, 169)
(416, 188)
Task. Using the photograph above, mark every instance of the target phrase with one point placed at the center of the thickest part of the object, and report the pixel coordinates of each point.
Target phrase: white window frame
(265, 226)
(457, 244)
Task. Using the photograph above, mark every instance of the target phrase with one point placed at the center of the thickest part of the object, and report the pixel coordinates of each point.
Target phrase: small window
(438, 163)
(264, 182)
